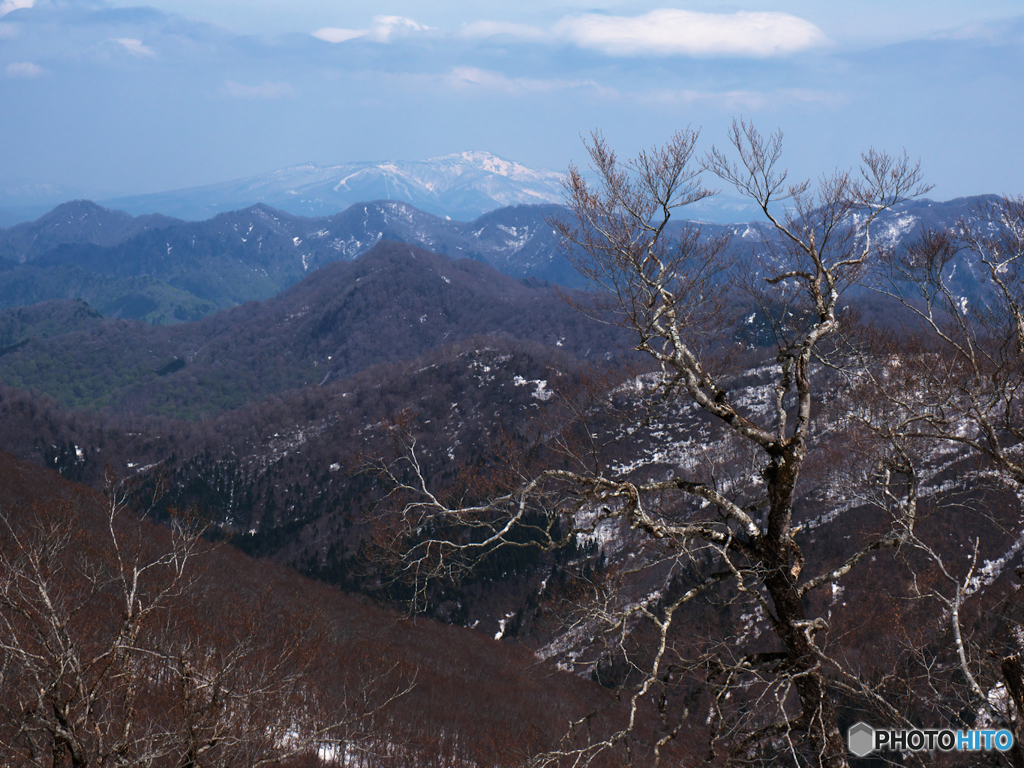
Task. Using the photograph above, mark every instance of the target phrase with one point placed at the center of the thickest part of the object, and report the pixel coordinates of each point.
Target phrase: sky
(113, 98)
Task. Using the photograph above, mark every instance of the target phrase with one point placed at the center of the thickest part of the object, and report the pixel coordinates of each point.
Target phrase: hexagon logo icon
(861, 739)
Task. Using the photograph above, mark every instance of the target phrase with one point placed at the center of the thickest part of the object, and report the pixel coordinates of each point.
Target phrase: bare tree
(116, 651)
(950, 381)
(719, 523)
(966, 351)
(75, 602)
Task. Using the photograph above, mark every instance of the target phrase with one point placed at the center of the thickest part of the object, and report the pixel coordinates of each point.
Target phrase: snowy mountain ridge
(461, 186)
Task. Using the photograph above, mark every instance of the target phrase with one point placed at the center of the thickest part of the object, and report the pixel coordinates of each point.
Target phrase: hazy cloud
(471, 77)
(6, 6)
(670, 32)
(524, 82)
(482, 29)
(745, 100)
(267, 90)
(23, 69)
(1007, 32)
(135, 47)
(384, 29)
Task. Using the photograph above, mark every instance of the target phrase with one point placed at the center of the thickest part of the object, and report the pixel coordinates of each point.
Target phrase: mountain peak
(462, 186)
(491, 163)
(78, 207)
(76, 220)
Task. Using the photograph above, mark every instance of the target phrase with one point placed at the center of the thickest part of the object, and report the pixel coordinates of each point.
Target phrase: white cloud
(267, 90)
(23, 69)
(6, 6)
(336, 35)
(383, 30)
(662, 32)
(135, 47)
(670, 32)
(386, 27)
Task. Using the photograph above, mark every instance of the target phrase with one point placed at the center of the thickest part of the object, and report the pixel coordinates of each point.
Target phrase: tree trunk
(782, 571)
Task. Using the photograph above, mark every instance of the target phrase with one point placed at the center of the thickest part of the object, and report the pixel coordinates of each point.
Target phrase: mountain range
(159, 269)
(459, 186)
(395, 302)
(165, 270)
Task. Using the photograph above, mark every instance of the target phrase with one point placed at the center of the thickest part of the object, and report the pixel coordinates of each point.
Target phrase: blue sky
(108, 96)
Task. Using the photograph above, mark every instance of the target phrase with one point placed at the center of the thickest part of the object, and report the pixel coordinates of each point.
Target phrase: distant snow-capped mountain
(460, 186)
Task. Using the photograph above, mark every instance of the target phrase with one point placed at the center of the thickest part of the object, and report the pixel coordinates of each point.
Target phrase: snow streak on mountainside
(461, 186)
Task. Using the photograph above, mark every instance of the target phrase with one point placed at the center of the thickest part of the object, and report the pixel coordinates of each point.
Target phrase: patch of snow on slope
(541, 392)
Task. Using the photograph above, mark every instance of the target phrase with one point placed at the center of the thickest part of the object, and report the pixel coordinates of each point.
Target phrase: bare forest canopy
(227, 660)
(396, 302)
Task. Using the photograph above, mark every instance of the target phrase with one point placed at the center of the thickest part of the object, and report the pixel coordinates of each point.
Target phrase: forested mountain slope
(394, 303)
(163, 270)
(401, 691)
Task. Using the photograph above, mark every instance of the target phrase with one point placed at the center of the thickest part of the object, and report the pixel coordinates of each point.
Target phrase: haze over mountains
(460, 186)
